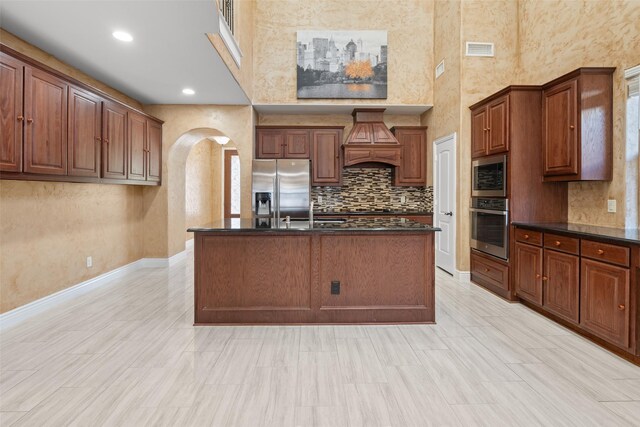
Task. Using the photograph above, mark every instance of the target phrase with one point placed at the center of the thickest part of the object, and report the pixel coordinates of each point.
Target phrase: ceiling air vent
(479, 49)
(440, 69)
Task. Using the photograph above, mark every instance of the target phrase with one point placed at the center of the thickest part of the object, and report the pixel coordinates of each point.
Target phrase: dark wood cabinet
(605, 298)
(413, 156)
(55, 128)
(325, 157)
(84, 133)
(528, 272)
(45, 111)
(154, 153)
(296, 144)
(137, 143)
(269, 144)
(561, 284)
(11, 113)
(490, 272)
(114, 140)
(577, 126)
(490, 127)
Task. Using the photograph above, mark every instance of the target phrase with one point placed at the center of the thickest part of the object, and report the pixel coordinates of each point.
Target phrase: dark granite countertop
(351, 224)
(375, 212)
(622, 235)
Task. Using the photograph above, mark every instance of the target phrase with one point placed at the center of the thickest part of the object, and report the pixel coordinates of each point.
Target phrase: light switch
(611, 205)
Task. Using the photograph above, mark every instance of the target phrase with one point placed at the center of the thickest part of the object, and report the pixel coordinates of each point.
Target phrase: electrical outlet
(403, 200)
(319, 200)
(611, 205)
(89, 262)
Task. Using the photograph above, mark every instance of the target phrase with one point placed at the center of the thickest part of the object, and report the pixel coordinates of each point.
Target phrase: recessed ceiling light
(123, 36)
(188, 91)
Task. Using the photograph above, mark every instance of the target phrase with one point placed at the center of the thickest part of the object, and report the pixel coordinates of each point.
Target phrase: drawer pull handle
(557, 243)
(544, 278)
(600, 252)
(526, 236)
(621, 307)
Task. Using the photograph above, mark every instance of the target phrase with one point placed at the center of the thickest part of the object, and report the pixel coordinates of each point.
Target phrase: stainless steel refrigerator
(281, 188)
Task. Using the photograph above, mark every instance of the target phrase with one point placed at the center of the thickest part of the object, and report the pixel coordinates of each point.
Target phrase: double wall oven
(490, 206)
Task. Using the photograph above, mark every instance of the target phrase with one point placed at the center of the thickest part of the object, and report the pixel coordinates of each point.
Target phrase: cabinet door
(11, 113)
(325, 157)
(604, 305)
(412, 170)
(114, 141)
(560, 133)
(84, 133)
(296, 144)
(270, 144)
(498, 126)
(479, 132)
(561, 284)
(154, 153)
(137, 142)
(528, 272)
(45, 107)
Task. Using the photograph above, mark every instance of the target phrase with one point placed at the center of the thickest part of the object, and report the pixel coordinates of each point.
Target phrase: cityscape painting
(342, 64)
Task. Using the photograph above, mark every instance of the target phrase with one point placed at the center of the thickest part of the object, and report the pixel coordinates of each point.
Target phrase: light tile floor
(127, 354)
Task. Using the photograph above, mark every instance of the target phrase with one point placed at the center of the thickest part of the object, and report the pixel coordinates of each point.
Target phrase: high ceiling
(170, 50)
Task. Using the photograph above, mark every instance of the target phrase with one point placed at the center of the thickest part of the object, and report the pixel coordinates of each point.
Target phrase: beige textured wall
(593, 33)
(187, 125)
(48, 229)
(408, 24)
(244, 35)
(199, 181)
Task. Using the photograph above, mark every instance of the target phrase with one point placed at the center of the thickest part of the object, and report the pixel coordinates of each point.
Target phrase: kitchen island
(362, 270)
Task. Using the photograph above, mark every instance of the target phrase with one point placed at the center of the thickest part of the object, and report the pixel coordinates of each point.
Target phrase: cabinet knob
(98, 138)
(526, 236)
(20, 118)
(600, 252)
(545, 278)
(572, 127)
(557, 243)
(486, 270)
(106, 141)
(621, 307)
(30, 120)
(537, 276)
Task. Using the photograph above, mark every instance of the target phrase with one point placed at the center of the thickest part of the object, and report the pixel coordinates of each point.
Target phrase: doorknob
(449, 213)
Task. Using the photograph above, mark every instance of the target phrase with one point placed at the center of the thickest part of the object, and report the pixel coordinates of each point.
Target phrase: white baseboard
(189, 244)
(17, 315)
(463, 276)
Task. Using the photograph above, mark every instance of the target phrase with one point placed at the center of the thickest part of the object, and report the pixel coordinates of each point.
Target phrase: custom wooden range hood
(370, 140)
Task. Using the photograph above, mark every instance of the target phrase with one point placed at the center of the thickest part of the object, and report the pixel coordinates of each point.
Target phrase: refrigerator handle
(276, 200)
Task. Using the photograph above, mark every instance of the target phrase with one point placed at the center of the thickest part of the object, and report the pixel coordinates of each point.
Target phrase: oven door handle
(488, 211)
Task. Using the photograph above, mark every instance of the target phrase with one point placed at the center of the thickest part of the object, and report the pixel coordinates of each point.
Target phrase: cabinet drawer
(489, 271)
(529, 236)
(562, 243)
(605, 252)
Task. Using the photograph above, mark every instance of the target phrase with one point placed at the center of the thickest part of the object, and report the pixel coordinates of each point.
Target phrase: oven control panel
(490, 203)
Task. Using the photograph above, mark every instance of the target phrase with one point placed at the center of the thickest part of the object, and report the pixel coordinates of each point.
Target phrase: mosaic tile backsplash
(369, 189)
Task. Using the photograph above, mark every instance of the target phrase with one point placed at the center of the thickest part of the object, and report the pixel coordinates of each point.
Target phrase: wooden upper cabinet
(11, 113)
(562, 284)
(605, 301)
(560, 129)
(296, 144)
(84, 140)
(479, 132)
(577, 126)
(528, 272)
(154, 153)
(413, 156)
(137, 142)
(269, 143)
(490, 127)
(325, 157)
(498, 126)
(45, 111)
(114, 140)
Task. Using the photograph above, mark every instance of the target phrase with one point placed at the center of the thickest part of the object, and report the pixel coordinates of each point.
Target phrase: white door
(444, 207)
